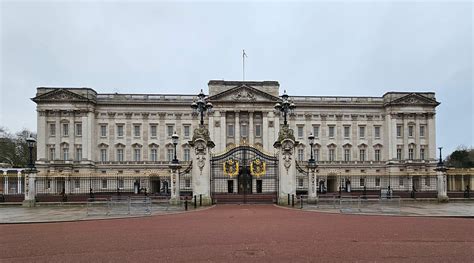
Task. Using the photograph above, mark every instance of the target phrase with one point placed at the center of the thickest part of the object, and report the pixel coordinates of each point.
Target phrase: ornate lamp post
(441, 184)
(286, 106)
(30, 178)
(201, 105)
(312, 167)
(174, 139)
(440, 163)
(311, 144)
(31, 144)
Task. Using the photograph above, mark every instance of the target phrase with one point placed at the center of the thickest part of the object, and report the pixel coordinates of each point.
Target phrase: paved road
(234, 233)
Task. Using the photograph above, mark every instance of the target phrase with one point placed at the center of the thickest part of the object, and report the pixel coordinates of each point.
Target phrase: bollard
(185, 203)
(288, 199)
(301, 202)
(200, 200)
(293, 200)
(195, 203)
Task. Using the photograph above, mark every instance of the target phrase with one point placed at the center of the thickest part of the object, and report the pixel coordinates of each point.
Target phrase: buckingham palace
(257, 138)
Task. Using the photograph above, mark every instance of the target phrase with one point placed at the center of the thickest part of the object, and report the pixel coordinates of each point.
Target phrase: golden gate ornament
(258, 167)
(231, 167)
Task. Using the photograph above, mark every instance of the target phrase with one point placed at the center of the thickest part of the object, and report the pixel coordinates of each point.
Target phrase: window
(399, 154)
(230, 130)
(170, 155)
(316, 131)
(187, 154)
(410, 131)
(258, 130)
(170, 130)
(78, 154)
(136, 130)
(120, 183)
(377, 155)
(120, 130)
(52, 154)
(65, 153)
(65, 129)
(137, 155)
(331, 131)
(427, 181)
(377, 181)
(331, 155)
(316, 154)
(154, 155)
(120, 155)
(104, 183)
(410, 154)
(300, 182)
(422, 131)
(52, 129)
(300, 131)
(300, 154)
(48, 184)
(422, 153)
(362, 155)
(377, 132)
(187, 183)
(399, 130)
(103, 155)
(243, 130)
(153, 131)
(187, 130)
(78, 129)
(361, 132)
(347, 132)
(103, 130)
(400, 181)
(362, 181)
(77, 183)
(347, 155)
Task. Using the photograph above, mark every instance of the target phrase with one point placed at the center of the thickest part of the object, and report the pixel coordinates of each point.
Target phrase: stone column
(285, 146)
(30, 193)
(441, 184)
(5, 185)
(19, 182)
(223, 135)
(237, 128)
(251, 129)
(265, 131)
(201, 166)
(313, 185)
(175, 195)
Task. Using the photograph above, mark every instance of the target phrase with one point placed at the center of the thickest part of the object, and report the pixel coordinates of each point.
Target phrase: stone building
(361, 143)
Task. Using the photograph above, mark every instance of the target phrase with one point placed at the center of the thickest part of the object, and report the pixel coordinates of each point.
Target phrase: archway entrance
(244, 175)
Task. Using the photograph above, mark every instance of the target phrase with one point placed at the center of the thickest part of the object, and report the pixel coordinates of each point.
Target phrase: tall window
(78, 129)
(230, 130)
(258, 130)
(103, 155)
(65, 129)
(170, 130)
(377, 181)
(120, 183)
(154, 155)
(331, 131)
(104, 183)
(78, 154)
(187, 154)
(120, 130)
(136, 130)
(331, 154)
(422, 131)
(103, 130)
(77, 183)
(361, 132)
(316, 131)
(410, 153)
(362, 155)
(347, 132)
(377, 132)
(52, 154)
(170, 152)
(300, 154)
(422, 153)
(120, 155)
(399, 154)
(410, 131)
(400, 181)
(137, 155)
(52, 129)
(347, 155)
(399, 131)
(300, 131)
(377, 155)
(362, 182)
(65, 153)
(316, 154)
(427, 181)
(243, 130)
(153, 131)
(187, 130)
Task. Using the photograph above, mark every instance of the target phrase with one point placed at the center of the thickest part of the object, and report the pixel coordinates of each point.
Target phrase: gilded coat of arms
(258, 167)
(231, 167)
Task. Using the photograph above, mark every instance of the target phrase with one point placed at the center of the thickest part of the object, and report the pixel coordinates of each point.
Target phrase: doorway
(332, 184)
(230, 186)
(259, 186)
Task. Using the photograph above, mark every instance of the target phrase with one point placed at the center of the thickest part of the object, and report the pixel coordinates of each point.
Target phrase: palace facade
(360, 142)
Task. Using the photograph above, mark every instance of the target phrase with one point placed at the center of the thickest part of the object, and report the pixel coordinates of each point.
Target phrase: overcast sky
(320, 48)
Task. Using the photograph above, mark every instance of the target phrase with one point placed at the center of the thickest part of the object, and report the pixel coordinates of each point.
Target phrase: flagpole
(243, 64)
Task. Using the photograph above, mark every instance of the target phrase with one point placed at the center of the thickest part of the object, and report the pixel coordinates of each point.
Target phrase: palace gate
(244, 175)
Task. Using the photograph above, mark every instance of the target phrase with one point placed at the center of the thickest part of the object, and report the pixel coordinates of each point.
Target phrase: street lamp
(201, 105)
(440, 163)
(311, 143)
(286, 106)
(31, 144)
(174, 139)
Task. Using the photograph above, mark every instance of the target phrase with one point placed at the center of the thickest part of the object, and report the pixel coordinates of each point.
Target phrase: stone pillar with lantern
(174, 167)
(441, 184)
(313, 179)
(30, 177)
